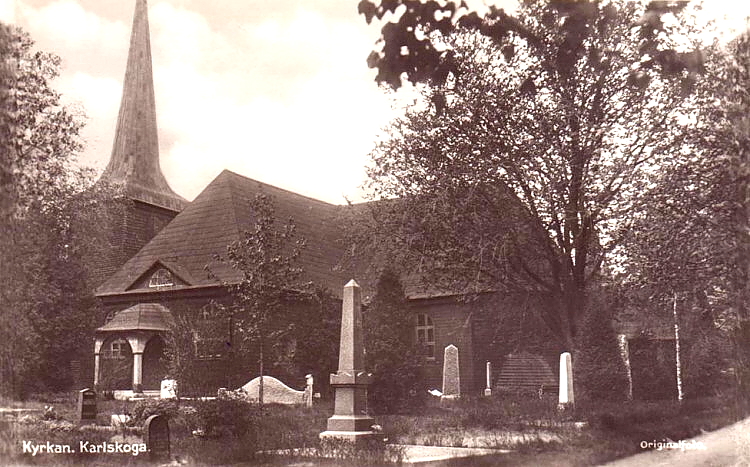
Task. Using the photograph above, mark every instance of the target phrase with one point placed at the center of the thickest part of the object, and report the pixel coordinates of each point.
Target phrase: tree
(413, 43)
(267, 259)
(527, 164)
(734, 105)
(393, 356)
(49, 219)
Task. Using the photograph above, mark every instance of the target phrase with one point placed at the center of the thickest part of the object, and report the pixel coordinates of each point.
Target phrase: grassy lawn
(234, 431)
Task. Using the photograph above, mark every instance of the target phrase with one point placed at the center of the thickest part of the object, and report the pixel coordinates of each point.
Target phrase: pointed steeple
(134, 162)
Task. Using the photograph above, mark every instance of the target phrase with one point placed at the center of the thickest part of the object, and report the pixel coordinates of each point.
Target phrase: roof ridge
(282, 189)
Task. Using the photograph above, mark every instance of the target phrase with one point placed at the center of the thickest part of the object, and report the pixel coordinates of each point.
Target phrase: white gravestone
(566, 398)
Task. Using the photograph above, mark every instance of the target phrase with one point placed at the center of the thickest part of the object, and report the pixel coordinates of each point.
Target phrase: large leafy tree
(526, 164)
(49, 220)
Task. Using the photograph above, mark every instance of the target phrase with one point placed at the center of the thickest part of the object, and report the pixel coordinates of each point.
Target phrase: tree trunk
(260, 358)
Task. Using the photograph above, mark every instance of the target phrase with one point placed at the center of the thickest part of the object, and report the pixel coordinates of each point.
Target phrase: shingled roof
(144, 316)
(219, 216)
(134, 163)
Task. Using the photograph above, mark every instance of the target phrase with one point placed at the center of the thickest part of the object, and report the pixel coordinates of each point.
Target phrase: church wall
(225, 371)
(452, 321)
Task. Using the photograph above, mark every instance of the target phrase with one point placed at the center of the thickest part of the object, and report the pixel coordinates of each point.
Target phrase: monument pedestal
(350, 421)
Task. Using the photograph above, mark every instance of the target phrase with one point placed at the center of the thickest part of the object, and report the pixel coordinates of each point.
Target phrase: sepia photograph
(441, 233)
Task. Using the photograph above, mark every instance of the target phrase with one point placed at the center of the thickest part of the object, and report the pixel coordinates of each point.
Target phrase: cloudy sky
(277, 90)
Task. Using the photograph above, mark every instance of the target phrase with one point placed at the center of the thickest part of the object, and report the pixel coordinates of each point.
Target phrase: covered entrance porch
(129, 350)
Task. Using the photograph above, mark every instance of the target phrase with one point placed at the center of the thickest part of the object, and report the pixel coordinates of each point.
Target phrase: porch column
(138, 372)
(97, 350)
(137, 345)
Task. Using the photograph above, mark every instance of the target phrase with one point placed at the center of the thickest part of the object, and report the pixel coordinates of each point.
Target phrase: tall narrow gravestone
(488, 389)
(86, 406)
(156, 437)
(350, 420)
(451, 373)
(566, 398)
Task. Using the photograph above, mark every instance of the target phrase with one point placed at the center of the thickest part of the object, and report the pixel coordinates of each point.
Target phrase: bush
(599, 369)
(392, 356)
(221, 418)
(147, 407)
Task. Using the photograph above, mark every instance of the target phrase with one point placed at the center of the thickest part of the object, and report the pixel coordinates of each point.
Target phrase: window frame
(162, 277)
(425, 328)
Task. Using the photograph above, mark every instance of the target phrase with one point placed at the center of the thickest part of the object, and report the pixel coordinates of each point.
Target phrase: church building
(165, 246)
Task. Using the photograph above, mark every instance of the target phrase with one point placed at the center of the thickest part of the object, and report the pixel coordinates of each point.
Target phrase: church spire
(134, 162)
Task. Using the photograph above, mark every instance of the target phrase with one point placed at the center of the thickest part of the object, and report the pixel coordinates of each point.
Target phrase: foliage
(49, 227)
(180, 352)
(267, 260)
(733, 105)
(525, 171)
(413, 43)
(601, 373)
(143, 409)
(393, 356)
(227, 418)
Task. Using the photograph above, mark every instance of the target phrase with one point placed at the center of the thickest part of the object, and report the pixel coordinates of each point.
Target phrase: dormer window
(161, 278)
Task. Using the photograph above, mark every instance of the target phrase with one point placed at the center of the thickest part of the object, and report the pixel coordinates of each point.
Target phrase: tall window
(208, 337)
(161, 278)
(426, 335)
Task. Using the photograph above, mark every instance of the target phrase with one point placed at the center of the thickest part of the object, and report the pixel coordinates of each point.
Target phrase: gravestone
(308, 390)
(156, 437)
(451, 373)
(350, 421)
(488, 389)
(86, 405)
(168, 389)
(566, 398)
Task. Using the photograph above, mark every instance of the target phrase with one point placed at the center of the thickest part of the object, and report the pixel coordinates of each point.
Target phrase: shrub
(599, 368)
(392, 356)
(227, 417)
(147, 407)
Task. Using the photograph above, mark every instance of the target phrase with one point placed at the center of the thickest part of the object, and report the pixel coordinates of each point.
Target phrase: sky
(276, 90)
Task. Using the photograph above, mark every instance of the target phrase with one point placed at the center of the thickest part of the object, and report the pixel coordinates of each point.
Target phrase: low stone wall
(274, 391)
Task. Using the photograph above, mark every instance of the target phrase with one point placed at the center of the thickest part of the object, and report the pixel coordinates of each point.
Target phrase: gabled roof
(217, 217)
(143, 316)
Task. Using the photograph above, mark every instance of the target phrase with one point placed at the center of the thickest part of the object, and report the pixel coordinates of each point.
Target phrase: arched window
(161, 278)
(426, 334)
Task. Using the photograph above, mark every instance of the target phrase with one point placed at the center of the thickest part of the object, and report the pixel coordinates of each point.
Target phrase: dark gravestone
(156, 436)
(86, 405)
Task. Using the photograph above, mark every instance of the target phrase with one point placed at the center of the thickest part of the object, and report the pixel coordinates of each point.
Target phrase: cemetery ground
(235, 432)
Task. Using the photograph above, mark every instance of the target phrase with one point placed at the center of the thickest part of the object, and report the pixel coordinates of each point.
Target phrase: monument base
(488, 392)
(352, 438)
(565, 406)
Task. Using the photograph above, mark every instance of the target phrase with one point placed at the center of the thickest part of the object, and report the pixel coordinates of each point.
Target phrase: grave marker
(156, 437)
(168, 389)
(86, 405)
(451, 373)
(488, 389)
(308, 390)
(566, 398)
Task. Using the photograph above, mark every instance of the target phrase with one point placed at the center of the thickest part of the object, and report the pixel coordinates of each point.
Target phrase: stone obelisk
(350, 420)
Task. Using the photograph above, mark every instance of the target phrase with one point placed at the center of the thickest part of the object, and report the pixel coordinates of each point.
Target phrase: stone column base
(353, 437)
(488, 392)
